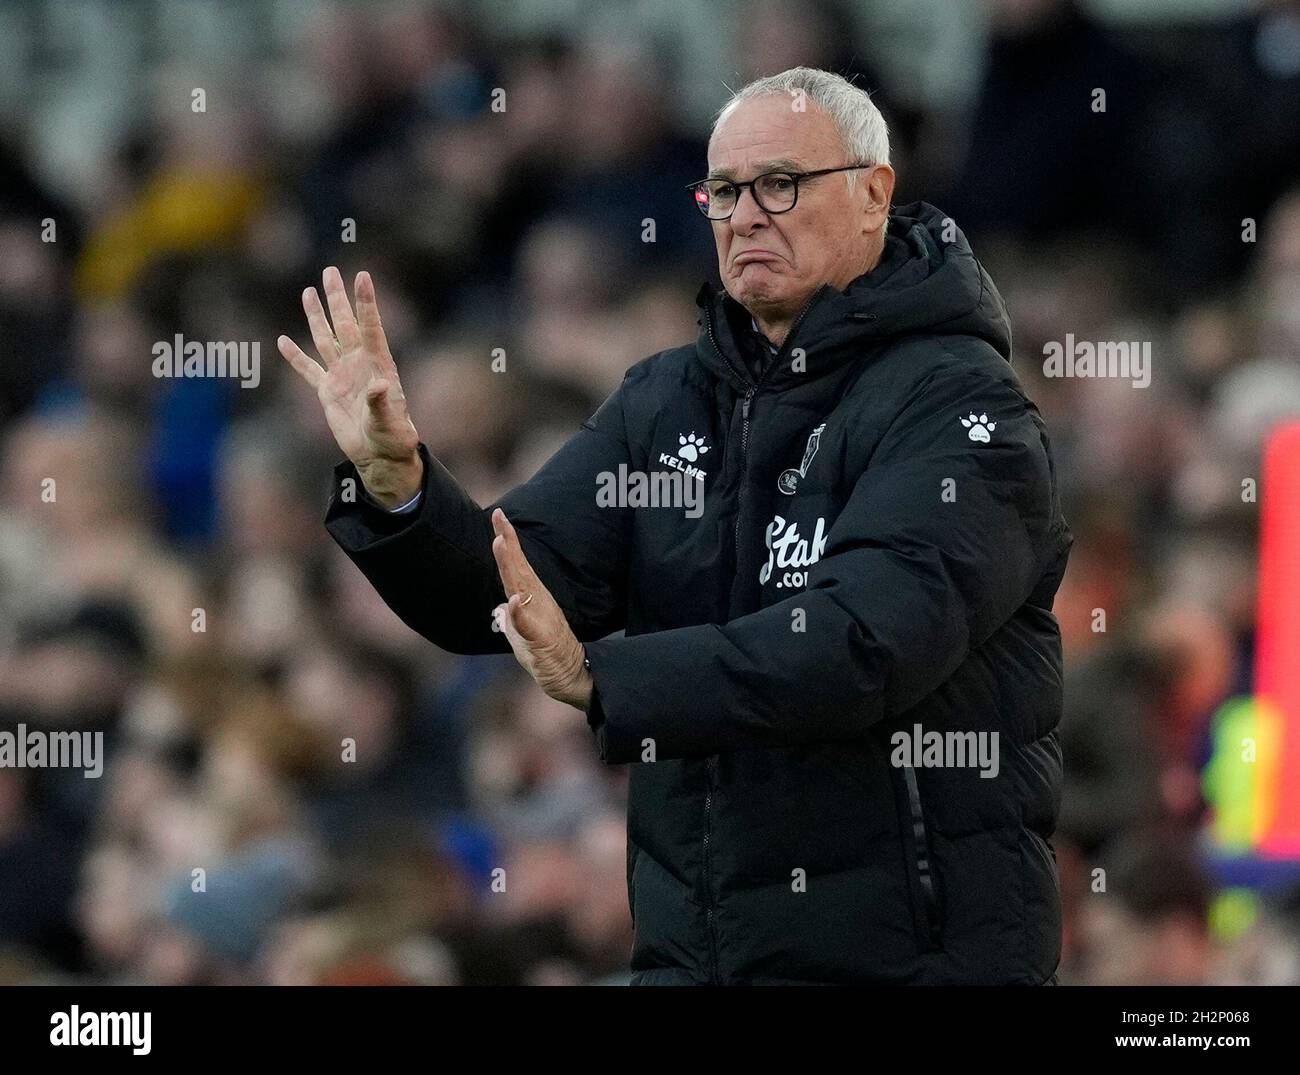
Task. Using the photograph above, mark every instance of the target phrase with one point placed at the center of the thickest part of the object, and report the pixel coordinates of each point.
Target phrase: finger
(345, 325)
(321, 333)
(516, 572)
(506, 567)
(377, 402)
(308, 369)
(372, 329)
(529, 626)
(502, 616)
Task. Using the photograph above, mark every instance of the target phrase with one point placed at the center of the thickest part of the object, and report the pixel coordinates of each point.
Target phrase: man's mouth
(746, 257)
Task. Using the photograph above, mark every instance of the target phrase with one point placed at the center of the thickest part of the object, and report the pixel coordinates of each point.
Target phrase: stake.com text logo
(786, 548)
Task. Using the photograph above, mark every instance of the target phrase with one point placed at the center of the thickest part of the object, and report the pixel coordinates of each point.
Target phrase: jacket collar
(721, 349)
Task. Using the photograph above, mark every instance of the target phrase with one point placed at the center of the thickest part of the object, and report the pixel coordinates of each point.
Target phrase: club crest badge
(788, 482)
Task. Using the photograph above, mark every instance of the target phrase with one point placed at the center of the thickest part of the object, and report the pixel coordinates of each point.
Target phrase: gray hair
(862, 128)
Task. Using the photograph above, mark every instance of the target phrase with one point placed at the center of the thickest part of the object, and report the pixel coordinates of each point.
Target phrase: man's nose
(748, 214)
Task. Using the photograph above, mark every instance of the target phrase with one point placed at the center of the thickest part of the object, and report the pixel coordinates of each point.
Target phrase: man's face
(772, 264)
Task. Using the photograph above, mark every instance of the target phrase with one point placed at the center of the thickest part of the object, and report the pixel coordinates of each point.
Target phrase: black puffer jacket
(878, 552)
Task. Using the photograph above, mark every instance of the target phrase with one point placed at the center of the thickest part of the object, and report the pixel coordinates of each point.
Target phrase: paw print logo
(692, 447)
(980, 427)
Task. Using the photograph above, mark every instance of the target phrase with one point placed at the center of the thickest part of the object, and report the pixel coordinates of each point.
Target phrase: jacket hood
(928, 282)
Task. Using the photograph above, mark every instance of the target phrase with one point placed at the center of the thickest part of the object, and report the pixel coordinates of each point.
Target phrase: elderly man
(838, 683)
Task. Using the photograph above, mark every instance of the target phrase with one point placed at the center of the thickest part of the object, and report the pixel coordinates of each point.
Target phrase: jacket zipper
(751, 390)
(921, 855)
(744, 449)
(712, 765)
(712, 762)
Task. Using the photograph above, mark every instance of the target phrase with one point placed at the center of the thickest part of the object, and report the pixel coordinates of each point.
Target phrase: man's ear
(879, 193)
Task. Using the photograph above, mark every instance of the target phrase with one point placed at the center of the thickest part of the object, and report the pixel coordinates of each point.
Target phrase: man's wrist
(585, 688)
(578, 694)
(397, 484)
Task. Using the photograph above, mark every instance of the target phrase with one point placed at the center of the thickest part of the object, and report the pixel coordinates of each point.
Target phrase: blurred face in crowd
(773, 263)
(1123, 948)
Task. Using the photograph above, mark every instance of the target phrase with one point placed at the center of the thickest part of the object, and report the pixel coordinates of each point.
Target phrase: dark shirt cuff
(595, 714)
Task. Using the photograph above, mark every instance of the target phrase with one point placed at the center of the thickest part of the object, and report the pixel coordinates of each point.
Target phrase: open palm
(358, 387)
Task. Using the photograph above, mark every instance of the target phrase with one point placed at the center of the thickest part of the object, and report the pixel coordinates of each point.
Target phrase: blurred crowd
(298, 789)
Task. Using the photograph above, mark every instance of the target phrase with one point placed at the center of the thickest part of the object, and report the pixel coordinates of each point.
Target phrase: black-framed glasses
(775, 192)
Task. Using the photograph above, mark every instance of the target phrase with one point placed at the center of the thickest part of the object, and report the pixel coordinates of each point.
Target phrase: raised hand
(535, 625)
(356, 381)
